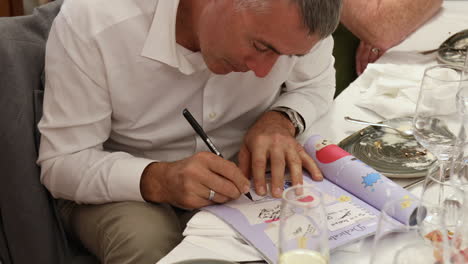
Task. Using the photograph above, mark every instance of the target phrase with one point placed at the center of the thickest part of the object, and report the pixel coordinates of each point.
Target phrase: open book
(353, 194)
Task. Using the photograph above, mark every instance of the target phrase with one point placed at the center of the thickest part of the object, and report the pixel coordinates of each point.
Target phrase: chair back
(30, 230)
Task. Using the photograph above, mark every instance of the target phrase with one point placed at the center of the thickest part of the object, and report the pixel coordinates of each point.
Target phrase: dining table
(452, 18)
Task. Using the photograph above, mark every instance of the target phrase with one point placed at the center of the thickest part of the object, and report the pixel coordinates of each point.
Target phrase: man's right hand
(187, 183)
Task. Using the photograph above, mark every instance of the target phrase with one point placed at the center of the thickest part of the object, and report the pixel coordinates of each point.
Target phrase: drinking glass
(303, 236)
(459, 216)
(400, 241)
(436, 121)
(441, 203)
(444, 206)
(462, 109)
(459, 174)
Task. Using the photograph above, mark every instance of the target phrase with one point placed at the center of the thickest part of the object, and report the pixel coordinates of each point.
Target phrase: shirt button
(212, 115)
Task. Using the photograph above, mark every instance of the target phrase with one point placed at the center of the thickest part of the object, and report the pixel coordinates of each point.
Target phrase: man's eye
(260, 48)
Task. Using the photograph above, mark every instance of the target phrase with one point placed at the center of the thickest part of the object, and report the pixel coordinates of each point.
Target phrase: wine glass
(459, 240)
(400, 241)
(441, 202)
(436, 120)
(442, 209)
(459, 177)
(462, 109)
(303, 236)
(444, 202)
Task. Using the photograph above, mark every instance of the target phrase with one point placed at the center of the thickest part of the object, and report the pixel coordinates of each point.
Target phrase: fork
(461, 51)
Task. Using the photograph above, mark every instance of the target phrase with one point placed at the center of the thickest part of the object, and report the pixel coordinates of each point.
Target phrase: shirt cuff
(124, 180)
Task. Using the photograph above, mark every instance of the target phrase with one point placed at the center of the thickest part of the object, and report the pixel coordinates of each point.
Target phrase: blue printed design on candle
(370, 179)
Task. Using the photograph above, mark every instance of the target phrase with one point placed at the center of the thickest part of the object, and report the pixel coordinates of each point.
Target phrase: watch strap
(295, 118)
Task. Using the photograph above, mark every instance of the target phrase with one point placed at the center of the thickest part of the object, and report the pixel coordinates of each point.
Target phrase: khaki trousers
(125, 232)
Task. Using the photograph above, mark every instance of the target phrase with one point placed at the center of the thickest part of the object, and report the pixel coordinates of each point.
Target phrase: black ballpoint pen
(196, 126)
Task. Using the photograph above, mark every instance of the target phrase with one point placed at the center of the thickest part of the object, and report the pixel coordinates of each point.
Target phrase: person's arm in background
(382, 24)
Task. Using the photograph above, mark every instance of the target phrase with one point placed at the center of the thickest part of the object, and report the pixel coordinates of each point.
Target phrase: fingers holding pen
(218, 165)
(188, 183)
(230, 174)
(212, 195)
(221, 176)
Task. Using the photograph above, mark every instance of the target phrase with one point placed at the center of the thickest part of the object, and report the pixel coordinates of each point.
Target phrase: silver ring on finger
(375, 51)
(212, 194)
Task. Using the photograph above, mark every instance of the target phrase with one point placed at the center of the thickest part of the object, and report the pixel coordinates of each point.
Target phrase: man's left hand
(271, 141)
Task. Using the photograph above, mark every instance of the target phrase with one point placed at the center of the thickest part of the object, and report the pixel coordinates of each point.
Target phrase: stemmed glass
(436, 120)
(443, 212)
(457, 213)
(441, 205)
(459, 175)
(462, 109)
(439, 126)
(303, 236)
(398, 239)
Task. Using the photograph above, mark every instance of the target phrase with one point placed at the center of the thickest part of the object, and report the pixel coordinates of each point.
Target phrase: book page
(352, 193)
(257, 221)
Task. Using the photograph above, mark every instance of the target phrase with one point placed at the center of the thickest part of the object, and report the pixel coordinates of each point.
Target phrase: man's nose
(261, 65)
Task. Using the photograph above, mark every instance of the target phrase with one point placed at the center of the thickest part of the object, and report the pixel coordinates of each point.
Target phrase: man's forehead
(284, 45)
(282, 28)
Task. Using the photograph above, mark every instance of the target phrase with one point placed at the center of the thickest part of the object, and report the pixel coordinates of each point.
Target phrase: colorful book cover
(352, 192)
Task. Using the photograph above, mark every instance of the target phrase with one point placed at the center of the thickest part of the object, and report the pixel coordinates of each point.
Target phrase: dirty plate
(388, 152)
(453, 50)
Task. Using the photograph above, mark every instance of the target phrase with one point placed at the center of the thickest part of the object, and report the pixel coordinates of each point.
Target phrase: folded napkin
(205, 234)
(216, 248)
(209, 225)
(392, 90)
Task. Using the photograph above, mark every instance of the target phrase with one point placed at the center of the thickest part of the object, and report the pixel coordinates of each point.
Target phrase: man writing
(254, 73)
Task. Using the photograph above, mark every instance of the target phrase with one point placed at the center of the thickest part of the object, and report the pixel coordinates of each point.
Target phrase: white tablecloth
(452, 18)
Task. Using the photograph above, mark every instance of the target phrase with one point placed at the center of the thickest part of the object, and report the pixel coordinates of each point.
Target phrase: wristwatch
(295, 118)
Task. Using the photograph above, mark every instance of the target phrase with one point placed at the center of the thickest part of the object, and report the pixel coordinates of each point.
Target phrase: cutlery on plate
(421, 180)
(412, 184)
(408, 132)
(425, 52)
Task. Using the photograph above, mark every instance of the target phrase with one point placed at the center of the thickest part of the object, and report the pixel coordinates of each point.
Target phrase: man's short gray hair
(321, 17)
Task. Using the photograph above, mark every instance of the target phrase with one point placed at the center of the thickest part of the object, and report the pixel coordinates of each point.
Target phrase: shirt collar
(161, 44)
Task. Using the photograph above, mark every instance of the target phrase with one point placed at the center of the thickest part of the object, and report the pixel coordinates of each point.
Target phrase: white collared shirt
(116, 85)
